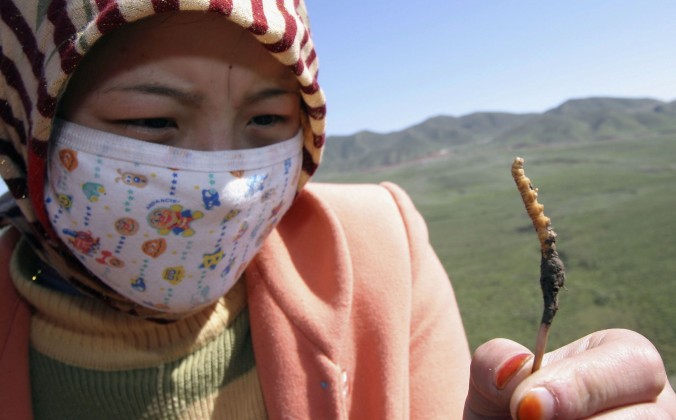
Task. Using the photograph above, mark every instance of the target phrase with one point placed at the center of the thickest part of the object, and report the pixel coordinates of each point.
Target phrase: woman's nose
(211, 134)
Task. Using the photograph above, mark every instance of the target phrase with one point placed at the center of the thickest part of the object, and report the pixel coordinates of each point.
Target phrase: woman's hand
(608, 374)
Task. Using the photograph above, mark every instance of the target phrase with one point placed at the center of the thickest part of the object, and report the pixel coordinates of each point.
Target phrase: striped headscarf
(41, 44)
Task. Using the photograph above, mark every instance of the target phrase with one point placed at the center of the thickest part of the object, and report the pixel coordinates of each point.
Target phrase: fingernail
(538, 404)
(509, 369)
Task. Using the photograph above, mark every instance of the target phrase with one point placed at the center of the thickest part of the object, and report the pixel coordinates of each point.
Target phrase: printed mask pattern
(186, 239)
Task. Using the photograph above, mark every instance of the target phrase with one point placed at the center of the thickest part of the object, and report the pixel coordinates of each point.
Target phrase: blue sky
(389, 64)
(386, 65)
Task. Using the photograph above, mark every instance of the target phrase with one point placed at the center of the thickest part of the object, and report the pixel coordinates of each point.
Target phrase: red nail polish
(538, 404)
(509, 369)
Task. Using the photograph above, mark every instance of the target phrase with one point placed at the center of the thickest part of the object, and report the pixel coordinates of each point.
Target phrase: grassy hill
(607, 177)
(575, 121)
(367, 150)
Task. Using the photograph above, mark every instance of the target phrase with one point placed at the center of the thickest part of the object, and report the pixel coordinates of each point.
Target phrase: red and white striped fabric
(41, 44)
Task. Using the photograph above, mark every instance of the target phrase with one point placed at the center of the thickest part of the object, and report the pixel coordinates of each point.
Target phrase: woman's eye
(152, 123)
(266, 120)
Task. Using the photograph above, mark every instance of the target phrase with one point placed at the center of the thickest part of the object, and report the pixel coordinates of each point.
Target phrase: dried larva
(552, 275)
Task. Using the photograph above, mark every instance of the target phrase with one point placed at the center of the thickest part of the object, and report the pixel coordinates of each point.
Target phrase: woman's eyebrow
(161, 90)
(267, 93)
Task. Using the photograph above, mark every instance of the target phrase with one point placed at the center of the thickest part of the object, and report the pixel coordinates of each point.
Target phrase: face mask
(170, 229)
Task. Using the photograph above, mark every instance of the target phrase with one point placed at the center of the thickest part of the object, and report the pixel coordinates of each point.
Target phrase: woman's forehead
(183, 43)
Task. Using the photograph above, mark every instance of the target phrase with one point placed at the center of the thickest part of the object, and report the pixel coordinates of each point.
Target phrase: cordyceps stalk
(552, 275)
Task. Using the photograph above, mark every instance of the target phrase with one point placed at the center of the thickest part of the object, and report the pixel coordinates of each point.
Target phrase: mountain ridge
(576, 120)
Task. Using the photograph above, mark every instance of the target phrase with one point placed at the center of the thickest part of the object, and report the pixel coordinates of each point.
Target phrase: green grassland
(613, 205)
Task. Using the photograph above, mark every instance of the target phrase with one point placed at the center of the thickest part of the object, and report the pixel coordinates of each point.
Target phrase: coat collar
(14, 331)
(299, 291)
(306, 269)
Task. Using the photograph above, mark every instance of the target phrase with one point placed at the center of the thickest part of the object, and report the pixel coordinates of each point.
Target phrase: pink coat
(352, 315)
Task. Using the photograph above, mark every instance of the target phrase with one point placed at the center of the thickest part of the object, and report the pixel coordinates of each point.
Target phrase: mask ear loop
(44, 274)
(51, 147)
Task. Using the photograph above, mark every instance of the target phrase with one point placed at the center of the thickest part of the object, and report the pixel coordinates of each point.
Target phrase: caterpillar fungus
(552, 275)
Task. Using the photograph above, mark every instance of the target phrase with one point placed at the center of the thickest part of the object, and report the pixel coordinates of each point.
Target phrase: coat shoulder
(373, 209)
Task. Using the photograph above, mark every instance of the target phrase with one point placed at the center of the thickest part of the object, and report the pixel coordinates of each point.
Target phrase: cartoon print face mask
(168, 228)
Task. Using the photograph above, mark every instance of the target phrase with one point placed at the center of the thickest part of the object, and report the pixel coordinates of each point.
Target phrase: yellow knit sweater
(89, 361)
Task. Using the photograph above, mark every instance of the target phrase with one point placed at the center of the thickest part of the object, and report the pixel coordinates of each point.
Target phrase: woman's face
(188, 79)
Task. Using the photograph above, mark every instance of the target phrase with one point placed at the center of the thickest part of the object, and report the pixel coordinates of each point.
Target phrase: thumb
(497, 368)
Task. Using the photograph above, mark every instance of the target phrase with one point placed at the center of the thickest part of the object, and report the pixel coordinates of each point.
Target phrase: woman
(168, 259)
